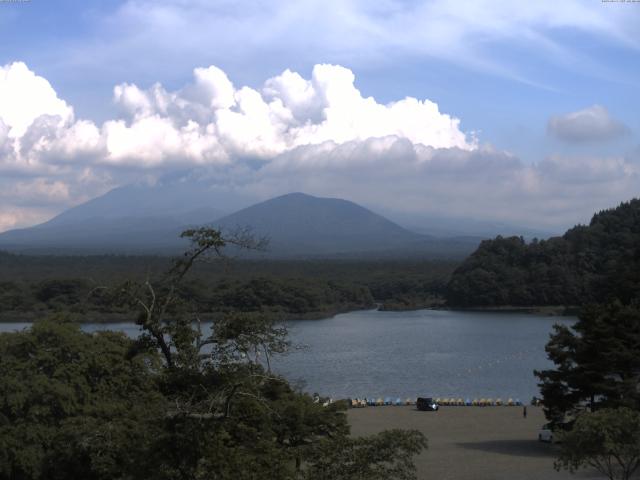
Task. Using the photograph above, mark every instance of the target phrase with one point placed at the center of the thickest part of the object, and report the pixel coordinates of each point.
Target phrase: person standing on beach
(524, 411)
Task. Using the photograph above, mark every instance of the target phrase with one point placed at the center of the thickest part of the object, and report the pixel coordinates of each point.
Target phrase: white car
(546, 434)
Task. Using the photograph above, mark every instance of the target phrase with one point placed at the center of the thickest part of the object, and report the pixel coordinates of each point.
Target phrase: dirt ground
(472, 443)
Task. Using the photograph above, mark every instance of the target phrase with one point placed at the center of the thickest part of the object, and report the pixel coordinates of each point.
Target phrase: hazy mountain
(186, 202)
(303, 225)
(131, 219)
(149, 219)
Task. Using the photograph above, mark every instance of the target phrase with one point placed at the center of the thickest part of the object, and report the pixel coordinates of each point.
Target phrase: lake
(407, 354)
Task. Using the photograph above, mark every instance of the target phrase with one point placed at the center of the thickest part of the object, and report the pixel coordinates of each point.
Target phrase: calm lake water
(409, 354)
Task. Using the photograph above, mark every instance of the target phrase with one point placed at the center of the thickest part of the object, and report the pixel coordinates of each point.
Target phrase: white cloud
(592, 124)
(319, 135)
(211, 121)
(25, 96)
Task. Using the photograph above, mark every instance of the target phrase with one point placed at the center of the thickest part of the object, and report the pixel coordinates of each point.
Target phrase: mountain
(589, 263)
(300, 225)
(133, 220)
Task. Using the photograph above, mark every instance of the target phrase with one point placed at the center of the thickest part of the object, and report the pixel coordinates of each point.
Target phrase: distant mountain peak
(149, 219)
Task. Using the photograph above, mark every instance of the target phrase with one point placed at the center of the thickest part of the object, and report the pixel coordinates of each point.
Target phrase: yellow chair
(498, 401)
(489, 402)
(510, 402)
(460, 402)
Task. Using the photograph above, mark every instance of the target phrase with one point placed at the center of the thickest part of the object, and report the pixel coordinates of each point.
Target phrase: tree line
(34, 286)
(588, 264)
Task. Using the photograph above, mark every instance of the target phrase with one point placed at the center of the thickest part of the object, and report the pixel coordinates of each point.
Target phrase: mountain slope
(591, 263)
(143, 219)
(135, 218)
(300, 224)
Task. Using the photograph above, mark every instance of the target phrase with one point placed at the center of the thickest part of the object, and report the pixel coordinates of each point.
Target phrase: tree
(231, 417)
(597, 362)
(177, 403)
(75, 405)
(388, 454)
(607, 440)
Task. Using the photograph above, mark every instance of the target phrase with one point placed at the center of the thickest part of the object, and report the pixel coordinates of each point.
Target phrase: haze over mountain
(149, 219)
(299, 225)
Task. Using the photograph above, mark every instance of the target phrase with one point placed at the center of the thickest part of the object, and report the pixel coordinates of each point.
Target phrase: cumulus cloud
(320, 135)
(592, 124)
(210, 121)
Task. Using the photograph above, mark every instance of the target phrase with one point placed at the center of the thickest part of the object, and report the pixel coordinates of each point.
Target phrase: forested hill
(587, 264)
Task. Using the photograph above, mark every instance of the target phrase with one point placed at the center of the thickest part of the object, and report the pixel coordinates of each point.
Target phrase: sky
(488, 109)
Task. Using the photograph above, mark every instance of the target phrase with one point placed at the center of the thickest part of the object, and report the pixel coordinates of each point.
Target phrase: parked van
(426, 404)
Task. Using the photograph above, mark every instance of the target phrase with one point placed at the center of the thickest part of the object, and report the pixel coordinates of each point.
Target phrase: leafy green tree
(597, 362)
(595, 263)
(230, 416)
(607, 440)
(388, 454)
(75, 405)
(179, 402)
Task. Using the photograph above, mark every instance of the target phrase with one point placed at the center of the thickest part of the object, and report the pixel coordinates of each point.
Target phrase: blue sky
(504, 69)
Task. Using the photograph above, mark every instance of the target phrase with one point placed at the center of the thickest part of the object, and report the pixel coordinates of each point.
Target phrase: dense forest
(588, 264)
(33, 286)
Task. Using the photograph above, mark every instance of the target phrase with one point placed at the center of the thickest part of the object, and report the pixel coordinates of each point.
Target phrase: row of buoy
(481, 402)
(449, 402)
(379, 402)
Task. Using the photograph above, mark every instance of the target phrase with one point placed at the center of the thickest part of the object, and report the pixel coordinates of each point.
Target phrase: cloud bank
(592, 124)
(319, 135)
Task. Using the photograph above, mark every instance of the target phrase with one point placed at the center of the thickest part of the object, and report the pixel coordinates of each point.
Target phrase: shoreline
(103, 318)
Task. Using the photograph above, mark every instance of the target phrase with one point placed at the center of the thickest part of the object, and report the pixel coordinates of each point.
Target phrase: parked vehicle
(549, 432)
(426, 404)
(545, 434)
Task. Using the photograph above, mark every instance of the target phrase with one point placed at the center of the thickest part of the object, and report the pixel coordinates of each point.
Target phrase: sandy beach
(472, 443)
